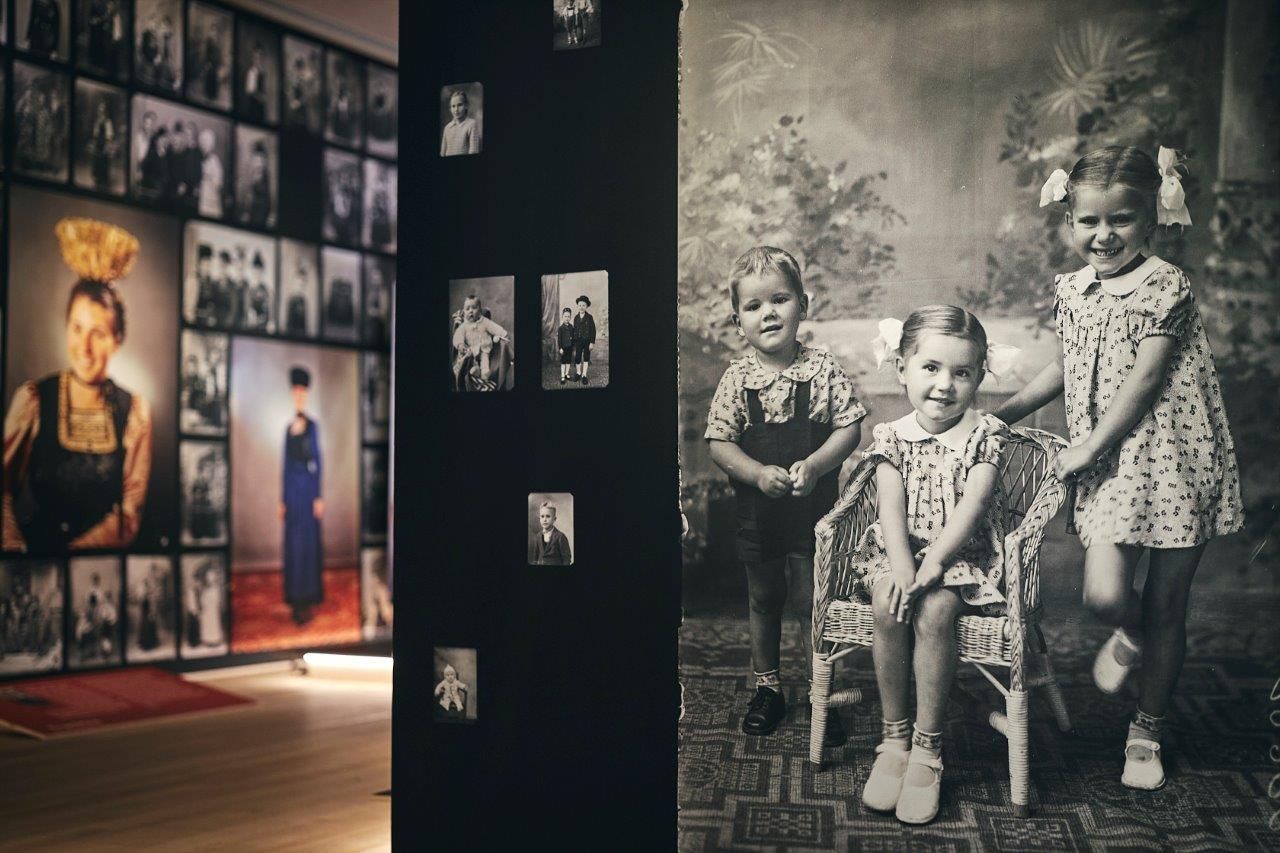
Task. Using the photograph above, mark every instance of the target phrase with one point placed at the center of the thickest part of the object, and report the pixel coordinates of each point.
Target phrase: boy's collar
(954, 438)
(802, 368)
(1120, 285)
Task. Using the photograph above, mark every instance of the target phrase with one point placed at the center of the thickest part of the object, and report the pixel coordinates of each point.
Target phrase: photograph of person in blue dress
(301, 506)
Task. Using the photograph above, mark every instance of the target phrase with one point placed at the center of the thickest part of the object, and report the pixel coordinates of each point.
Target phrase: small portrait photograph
(96, 602)
(258, 73)
(377, 612)
(157, 44)
(455, 692)
(461, 119)
(204, 492)
(180, 157)
(575, 24)
(295, 448)
(379, 205)
(344, 114)
(340, 271)
(376, 494)
(379, 290)
(575, 330)
(42, 28)
(382, 126)
(204, 605)
(481, 347)
(102, 37)
(303, 74)
(42, 121)
(342, 197)
(209, 38)
(299, 289)
(257, 176)
(375, 396)
(30, 616)
(94, 350)
(204, 383)
(151, 594)
(102, 139)
(550, 525)
(229, 280)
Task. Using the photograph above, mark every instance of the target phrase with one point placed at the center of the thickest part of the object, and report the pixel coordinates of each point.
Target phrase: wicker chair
(841, 625)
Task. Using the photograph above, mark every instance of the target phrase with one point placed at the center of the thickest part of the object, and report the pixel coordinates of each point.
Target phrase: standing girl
(1152, 455)
(783, 418)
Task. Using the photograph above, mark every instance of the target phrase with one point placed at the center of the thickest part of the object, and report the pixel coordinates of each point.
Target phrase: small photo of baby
(550, 529)
(461, 119)
(481, 348)
(453, 699)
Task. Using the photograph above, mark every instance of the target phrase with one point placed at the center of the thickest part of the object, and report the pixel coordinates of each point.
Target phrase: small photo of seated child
(453, 699)
(575, 330)
(481, 353)
(550, 529)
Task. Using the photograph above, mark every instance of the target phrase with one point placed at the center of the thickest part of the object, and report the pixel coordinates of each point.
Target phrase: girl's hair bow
(1171, 206)
(886, 345)
(1055, 188)
(1000, 360)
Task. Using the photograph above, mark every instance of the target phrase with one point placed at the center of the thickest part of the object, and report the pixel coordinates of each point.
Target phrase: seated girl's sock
(931, 744)
(769, 679)
(897, 732)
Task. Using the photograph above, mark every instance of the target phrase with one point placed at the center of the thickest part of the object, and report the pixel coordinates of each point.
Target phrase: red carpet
(261, 621)
(74, 703)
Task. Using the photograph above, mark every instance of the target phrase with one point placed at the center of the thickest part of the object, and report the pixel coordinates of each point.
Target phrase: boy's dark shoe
(765, 711)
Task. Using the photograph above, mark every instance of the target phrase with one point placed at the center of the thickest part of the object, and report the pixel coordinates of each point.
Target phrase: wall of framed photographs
(211, 477)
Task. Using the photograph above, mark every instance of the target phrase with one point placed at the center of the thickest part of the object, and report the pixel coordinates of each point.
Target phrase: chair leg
(1054, 694)
(819, 696)
(1016, 731)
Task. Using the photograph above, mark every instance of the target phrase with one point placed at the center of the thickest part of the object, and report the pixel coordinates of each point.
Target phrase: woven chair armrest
(828, 572)
(1022, 544)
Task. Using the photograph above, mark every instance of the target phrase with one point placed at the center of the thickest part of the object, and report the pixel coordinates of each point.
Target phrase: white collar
(955, 438)
(1120, 285)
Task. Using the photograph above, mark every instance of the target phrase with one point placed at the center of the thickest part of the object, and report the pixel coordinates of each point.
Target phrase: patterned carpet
(262, 621)
(754, 793)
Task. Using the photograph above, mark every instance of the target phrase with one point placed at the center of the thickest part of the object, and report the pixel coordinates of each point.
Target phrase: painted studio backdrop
(197, 320)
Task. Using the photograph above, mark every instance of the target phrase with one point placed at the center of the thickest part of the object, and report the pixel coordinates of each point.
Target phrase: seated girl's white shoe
(1142, 766)
(883, 786)
(918, 804)
(1108, 672)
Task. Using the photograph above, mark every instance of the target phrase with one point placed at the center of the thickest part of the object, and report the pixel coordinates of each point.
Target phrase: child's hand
(1073, 460)
(773, 481)
(802, 480)
(900, 581)
(927, 576)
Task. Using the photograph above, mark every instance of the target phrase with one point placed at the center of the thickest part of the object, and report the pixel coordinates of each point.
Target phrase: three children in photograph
(1151, 460)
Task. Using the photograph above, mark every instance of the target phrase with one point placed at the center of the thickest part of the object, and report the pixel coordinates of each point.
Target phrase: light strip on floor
(323, 663)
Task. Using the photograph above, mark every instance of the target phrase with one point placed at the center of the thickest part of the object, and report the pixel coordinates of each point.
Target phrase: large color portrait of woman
(90, 379)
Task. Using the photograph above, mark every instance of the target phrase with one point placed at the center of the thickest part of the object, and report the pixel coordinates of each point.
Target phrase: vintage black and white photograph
(549, 525)
(575, 330)
(454, 694)
(158, 44)
(180, 157)
(96, 624)
(257, 176)
(299, 289)
(209, 40)
(382, 125)
(41, 28)
(204, 589)
(481, 333)
(258, 73)
(575, 23)
(377, 610)
(30, 616)
(151, 596)
(204, 492)
(203, 383)
(380, 205)
(42, 121)
(343, 199)
(101, 137)
(344, 87)
(341, 292)
(461, 119)
(303, 75)
(375, 485)
(379, 300)
(229, 278)
(102, 38)
(375, 396)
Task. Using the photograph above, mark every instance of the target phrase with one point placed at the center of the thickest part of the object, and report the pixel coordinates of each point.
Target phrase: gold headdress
(95, 250)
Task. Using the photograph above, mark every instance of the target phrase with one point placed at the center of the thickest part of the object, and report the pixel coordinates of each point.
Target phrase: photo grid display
(177, 107)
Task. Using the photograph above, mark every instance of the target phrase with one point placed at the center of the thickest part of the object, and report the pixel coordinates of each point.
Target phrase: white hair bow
(885, 347)
(1172, 206)
(1002, 359)
(1055, 188)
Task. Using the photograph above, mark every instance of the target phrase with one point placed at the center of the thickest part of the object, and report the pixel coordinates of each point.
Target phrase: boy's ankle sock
(769, 679)
(1146, 726)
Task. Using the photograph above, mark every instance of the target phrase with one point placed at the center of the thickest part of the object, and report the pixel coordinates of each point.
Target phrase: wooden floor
(298, 770)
